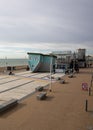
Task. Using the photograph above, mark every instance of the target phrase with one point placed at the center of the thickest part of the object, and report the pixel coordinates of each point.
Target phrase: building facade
(40, 62)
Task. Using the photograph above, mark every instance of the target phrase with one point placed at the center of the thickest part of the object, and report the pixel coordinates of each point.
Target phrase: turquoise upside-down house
(40, 62)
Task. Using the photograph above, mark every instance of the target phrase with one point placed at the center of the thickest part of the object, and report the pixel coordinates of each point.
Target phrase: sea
(13, 62)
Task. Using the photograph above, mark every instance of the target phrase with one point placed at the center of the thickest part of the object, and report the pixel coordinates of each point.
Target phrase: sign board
(85, 86)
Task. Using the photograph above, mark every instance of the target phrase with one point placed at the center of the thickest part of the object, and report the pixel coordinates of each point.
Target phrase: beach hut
(41, 62)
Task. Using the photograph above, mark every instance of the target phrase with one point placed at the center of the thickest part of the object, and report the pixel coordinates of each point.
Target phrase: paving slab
(14, 84)
(21, 87)
(58, 75)
(22, 91)
(22, 73)
(3, 77)
(8, 79)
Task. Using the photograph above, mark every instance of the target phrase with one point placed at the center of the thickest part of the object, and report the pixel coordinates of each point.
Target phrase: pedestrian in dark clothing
(54, 68)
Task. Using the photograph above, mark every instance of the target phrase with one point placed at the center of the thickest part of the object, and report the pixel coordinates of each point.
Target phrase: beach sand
(64, 108)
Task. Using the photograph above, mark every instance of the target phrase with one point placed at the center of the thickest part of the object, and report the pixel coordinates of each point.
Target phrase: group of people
(74, 66)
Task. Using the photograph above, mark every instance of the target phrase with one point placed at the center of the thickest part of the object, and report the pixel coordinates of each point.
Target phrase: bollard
(92, 77)
(86, 106)
(91, 83)
(89, 91)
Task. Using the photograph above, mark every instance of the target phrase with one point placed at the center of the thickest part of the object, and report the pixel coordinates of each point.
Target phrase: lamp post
(51, 74)
(6, 63)
(74, 61)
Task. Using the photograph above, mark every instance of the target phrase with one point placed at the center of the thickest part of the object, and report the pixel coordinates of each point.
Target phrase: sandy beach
(63, 109)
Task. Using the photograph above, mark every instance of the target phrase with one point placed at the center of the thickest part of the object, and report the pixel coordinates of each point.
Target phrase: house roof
(42, 54)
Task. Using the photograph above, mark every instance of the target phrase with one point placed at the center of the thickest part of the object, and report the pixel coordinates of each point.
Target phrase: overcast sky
(45, 26)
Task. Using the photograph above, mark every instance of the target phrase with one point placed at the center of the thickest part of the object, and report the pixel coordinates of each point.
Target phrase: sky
(45, 26)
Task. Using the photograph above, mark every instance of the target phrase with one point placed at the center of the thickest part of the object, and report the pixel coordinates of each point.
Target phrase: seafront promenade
(63, 109)
(17, 68)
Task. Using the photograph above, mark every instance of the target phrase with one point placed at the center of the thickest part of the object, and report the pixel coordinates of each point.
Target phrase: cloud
(20, 50)
(46, 25)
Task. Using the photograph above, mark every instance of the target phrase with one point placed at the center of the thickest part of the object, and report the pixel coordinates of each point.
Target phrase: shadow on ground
(11, 110)
(49, 98)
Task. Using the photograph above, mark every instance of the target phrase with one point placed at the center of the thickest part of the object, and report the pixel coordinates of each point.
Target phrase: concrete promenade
(64, 108)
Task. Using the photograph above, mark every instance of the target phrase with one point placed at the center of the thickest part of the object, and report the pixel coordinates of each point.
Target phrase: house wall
(33, 61)
(39, 62)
